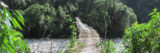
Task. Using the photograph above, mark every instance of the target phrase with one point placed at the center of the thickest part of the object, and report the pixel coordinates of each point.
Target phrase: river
(54, 45)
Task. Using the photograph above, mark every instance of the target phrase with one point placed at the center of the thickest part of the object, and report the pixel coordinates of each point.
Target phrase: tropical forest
(79, 26)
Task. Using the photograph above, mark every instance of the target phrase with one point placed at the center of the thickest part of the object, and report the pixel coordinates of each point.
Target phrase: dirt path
(89, 37)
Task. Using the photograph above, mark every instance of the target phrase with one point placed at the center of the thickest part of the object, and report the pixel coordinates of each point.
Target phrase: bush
(145, 37)
(108, 47)
(73, 44)
(11, 39)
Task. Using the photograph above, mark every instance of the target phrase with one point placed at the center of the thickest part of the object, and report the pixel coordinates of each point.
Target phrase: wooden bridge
(87, 36)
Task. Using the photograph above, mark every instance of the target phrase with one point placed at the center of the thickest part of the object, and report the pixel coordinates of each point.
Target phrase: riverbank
(54, 45)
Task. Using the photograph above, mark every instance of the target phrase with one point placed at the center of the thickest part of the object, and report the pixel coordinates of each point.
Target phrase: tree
(10, 39)
(142, 8)
(106, 16)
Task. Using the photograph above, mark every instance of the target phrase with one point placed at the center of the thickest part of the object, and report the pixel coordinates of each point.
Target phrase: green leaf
(10, 39)
(70, 19)
(20, 44)
(4, 12)
(14, 21)
(10, 49)
(154, 11)
(19, 16)
(70, 26)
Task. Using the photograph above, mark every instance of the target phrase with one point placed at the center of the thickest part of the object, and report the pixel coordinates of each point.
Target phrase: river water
(54, 45)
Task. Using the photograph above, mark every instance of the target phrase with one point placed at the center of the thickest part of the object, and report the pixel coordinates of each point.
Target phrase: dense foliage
(72, 47)
(10, 39)
(41, 18)
(107, 46)
(106, 16)
(142, 8)
(145, 37)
